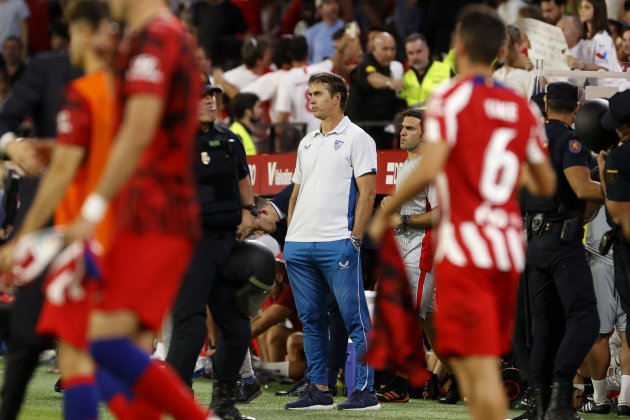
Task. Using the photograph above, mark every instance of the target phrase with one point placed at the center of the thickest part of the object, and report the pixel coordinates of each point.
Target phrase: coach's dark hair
(600, 19)
(414, 113)
(483, 33)
(242, 102)
(92, 12)
(416, 36)
(254, 50)
(334, 84)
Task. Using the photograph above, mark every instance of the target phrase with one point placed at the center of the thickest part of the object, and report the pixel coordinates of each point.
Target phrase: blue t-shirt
(320, 42)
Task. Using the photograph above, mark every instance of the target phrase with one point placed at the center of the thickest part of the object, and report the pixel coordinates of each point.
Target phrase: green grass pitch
(43, 403)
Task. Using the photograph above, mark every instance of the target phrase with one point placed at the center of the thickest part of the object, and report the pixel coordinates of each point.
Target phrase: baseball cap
(206, 85)
(562, 91)
(618, 111)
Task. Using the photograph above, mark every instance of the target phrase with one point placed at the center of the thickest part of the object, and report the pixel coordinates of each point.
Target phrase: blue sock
(121, 358)
(80, 398)
(249, 380)
(110, 387)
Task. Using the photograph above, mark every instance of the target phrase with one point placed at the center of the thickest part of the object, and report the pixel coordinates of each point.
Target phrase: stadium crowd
(358, 76)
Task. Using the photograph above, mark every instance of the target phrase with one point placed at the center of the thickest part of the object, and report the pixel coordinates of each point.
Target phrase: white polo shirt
(326, 170)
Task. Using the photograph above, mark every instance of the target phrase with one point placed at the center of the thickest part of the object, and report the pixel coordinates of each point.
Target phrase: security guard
(615, 176)
(424, 74)
(228, 214)
(559, 279)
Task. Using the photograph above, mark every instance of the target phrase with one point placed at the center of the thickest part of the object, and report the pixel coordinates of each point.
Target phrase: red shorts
(68, 321)
(142, 273)
(476, 310)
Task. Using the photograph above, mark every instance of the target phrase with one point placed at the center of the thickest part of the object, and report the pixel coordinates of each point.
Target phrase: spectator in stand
(373, 91)
(624, 56)
(579, 48)
(246, 110)
(251, 10)
(552, 10)
(256, 55)
(12, 53)
(516, 70)
(531, 12)
(424, 73)
(508, 10)
(219, 26)
(59, 38)
(266, 86)
(571, 27)
(407, 17)
(13, 20)
(319, 36)
(292, 103)
(395, 67)
(602, 55)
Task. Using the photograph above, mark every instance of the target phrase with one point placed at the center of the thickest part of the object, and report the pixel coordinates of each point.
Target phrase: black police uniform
(220, 164)
(617, 174)
(617, 181)
(560, 283)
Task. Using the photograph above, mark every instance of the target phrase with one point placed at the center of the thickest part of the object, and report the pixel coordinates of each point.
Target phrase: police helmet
(251, 270)
(589, 129)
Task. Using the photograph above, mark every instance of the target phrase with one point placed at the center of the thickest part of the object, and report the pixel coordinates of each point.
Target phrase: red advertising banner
(271, 173)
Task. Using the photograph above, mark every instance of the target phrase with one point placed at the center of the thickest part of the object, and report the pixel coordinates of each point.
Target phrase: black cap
(206, 85)
(562, 91)
(618, 111)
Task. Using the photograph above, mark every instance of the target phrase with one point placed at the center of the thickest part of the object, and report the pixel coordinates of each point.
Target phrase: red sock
(162, 388)
(124, 409)
(143, 410)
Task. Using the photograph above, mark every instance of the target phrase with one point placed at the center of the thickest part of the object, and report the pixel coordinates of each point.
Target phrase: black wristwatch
(252, 209)
(404, 220)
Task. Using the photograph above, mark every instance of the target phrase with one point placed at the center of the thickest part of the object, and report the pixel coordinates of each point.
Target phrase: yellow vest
(413, 92)
(246, 138)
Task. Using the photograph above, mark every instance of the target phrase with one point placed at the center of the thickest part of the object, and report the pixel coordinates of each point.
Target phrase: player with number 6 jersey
(480, 135)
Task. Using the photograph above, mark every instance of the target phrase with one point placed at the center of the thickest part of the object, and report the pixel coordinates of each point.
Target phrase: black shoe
(452, 395)
(224, 394)
(248, 392)
(623, 410)
(560, 407)
(297, 391)
(58, 386)
(533, 401)
(395, 392)
(591, 408)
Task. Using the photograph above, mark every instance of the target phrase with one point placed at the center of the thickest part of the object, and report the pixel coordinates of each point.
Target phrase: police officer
(228, 214)
(614, 168)
(559, 279)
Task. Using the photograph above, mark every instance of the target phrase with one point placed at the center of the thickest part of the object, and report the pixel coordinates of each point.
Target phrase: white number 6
(500, 167)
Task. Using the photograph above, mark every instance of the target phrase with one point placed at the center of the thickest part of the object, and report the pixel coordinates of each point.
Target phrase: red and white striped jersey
(491, 131)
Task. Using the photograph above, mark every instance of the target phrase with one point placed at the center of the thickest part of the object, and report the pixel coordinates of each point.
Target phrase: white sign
(547, 42)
